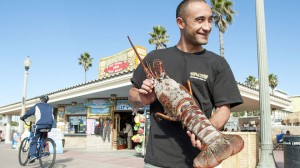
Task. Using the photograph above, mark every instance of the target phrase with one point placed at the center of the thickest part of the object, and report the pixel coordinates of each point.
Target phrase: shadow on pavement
(58, 163)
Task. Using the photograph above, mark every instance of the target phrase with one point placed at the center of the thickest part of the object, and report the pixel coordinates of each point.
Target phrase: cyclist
(44, 119)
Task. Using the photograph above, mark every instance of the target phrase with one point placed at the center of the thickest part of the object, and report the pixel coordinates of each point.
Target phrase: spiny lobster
(179, 105)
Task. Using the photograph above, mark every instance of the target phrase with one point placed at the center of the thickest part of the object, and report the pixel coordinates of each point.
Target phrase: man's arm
(220, 116)
(29, 113)
(134, 98)
(126, 129)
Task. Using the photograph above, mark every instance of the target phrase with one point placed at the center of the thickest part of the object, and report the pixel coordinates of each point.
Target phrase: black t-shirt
(213, 84)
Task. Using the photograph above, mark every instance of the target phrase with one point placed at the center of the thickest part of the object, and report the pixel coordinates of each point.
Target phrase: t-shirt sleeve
(138, 77)
(225, 86)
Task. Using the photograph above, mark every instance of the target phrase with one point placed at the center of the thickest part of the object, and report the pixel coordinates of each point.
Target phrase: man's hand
(22, 118)
(146, 92)
(195, 142)
(143, 96)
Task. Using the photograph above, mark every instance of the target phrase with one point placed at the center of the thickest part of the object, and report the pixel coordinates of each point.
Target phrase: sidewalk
(279, 159)
(76, 158)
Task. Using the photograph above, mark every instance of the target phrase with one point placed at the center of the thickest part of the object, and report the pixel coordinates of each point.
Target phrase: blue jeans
(33, 144)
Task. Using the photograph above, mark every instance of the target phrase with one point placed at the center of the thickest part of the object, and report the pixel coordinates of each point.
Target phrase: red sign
(116, 67)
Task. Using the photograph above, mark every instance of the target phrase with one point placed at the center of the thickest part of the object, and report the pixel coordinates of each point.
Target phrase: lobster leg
(161, 116)
(189, 87)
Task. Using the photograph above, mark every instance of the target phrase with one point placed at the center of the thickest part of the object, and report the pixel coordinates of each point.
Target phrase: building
(293, 119)
(295, 103)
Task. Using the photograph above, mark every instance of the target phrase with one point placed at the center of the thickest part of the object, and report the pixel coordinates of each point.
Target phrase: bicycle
(46, 148)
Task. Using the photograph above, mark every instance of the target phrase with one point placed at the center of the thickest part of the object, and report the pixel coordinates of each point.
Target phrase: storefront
(93, 118)
(242, 124)
(101, 120)
(123, 113)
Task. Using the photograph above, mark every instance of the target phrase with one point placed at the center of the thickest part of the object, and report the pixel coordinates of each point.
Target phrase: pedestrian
(212, 82)
(128, 131)
(43, 120)
(106, 130)
(101, 125)
(15, 139)
(1, 135)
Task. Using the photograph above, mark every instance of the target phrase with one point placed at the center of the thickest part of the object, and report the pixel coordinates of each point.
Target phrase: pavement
(279, 158)
(76, 158)
(81, 158)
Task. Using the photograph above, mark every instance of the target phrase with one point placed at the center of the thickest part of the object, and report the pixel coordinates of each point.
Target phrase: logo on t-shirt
(199, 76)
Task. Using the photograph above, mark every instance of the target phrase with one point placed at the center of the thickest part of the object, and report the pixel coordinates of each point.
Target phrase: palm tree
(251, 81)
(223, 16)
(273, 81)
(159, 37)
(86, 62)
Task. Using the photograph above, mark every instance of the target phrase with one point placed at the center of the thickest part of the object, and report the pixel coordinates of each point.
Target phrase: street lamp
(266, 157)
(27, 64)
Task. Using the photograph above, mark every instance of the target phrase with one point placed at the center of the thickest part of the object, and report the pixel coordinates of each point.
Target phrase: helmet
(44, 98)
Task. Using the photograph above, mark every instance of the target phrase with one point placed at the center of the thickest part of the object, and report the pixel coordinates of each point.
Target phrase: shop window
(77, 124)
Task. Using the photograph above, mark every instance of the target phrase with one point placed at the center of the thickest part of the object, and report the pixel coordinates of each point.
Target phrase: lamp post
(27, 64)
(266, 157)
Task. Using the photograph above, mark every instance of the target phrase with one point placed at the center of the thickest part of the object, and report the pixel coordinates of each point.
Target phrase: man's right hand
(146, 92)
(143, 96)
(21, 118)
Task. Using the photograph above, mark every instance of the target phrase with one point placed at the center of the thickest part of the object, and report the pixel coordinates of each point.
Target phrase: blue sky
(54, 34)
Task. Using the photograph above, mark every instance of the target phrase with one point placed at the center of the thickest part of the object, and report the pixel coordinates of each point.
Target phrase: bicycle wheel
(47, 153)
(24, 152)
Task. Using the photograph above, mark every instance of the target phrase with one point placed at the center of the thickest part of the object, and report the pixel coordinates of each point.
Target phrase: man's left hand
(195, 142)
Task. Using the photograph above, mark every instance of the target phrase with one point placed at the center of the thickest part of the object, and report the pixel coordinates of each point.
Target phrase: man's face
(197, 23)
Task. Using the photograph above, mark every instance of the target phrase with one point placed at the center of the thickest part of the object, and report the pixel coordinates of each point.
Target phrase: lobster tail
(219, 150)
(216, 146)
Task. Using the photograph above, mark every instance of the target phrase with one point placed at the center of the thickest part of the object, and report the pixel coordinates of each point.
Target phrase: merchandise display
(139, 127)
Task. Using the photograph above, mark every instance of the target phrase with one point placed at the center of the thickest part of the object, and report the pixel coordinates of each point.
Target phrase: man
(212, 83)
(106, 129)
(128, 130)
(15, 138)
(44, 120)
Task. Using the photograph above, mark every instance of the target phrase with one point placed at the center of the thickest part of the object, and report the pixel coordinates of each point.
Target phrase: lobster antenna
(148, 74)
